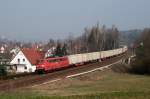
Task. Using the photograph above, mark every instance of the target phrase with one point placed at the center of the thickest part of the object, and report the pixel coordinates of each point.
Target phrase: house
(26, 60)
(15, 51)
(2, 49)
(50, 52)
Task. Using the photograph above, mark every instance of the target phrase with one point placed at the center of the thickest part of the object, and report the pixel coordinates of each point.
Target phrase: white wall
(20, 68)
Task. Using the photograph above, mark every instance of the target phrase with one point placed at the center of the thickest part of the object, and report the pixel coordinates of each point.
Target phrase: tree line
(141, 65)
(93, 39)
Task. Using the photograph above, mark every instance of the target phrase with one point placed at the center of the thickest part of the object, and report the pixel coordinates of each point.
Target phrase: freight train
(49, 64)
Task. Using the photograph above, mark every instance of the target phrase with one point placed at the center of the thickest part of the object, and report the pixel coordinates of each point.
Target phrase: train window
(54, 60)
(49, 61)
(63, 59)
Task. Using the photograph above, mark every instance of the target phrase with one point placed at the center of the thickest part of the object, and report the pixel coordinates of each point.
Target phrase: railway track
(32, 80)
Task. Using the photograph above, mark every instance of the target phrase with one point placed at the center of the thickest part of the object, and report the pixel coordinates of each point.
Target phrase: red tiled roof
(33, 55)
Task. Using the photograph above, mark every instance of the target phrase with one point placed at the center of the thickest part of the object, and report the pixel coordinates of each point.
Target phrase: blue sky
(44, 19)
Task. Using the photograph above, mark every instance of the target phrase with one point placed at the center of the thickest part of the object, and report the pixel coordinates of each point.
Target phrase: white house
(2, 49)
(26, 60)
(50, 52)
(15, 51)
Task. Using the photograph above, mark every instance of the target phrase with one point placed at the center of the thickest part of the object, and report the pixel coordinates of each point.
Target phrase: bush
(3, 71)
(142, 62)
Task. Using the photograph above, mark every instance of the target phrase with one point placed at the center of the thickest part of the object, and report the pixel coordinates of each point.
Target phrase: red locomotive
(52, 64)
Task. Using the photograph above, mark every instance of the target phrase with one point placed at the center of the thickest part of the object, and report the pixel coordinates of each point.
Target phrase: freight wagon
(77, 59)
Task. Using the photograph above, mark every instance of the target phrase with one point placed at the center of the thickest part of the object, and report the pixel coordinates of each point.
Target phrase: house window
(18, 60)
(16, 67)
(25, 67)
(23, 60)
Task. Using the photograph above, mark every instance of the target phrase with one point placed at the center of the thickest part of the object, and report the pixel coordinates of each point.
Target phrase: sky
(35, 20)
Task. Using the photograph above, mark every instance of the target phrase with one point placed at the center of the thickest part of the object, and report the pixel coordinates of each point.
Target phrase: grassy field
(97, 85)
(112, 95)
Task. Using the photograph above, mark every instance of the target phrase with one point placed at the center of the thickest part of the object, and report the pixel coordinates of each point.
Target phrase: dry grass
(96, 82)
(103, 84)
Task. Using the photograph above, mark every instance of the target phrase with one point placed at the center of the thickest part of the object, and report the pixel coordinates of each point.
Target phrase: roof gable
(32, 55)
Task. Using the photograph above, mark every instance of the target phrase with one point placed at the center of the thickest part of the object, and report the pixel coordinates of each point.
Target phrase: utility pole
(104, 36)
(97, 32)
(102, 40)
